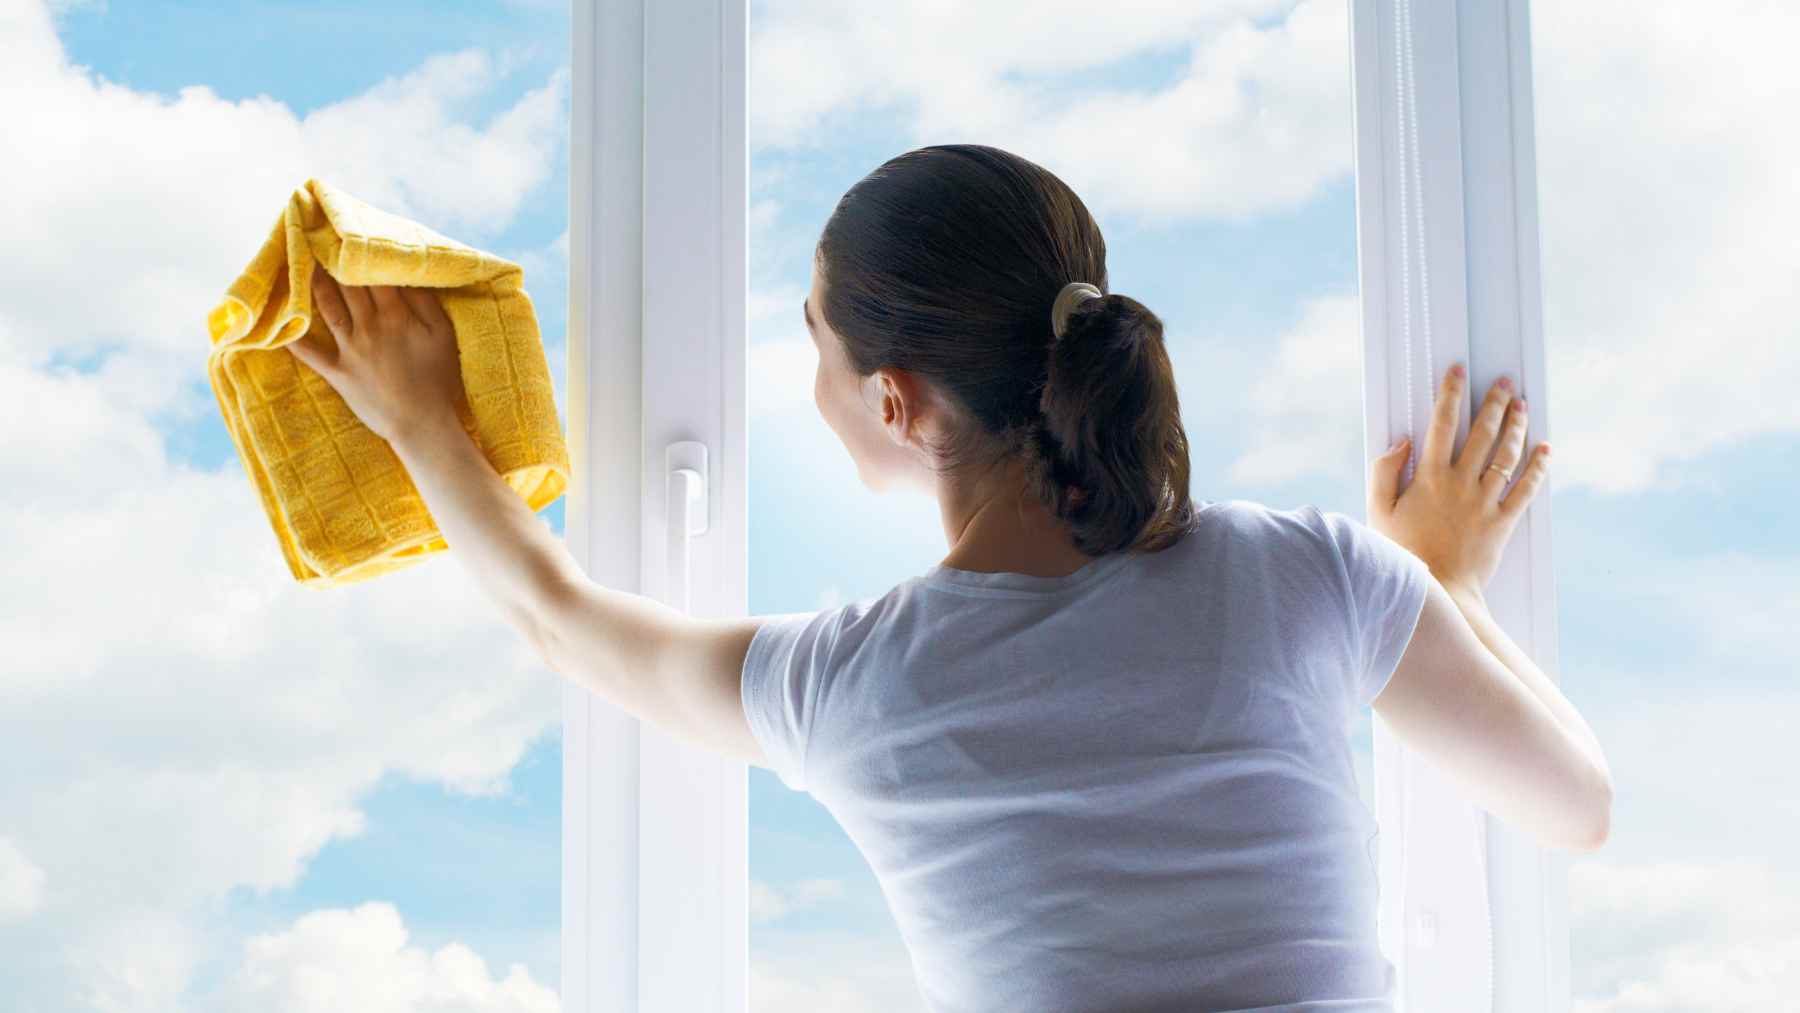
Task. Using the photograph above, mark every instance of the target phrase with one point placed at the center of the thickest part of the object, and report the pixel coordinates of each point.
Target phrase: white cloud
(21, 883)
(132, 959)
(769, 902)
(399, 147)
(359, 961)
(1303, 414)
(780, 374)
(229, 720)
(781, 303)
(1669, 211)
(1668, 937)
(1693, 903)
(842, 971)
(762, 216)
(1259, 119)
(184, 721)
(129, 212)
(1749, 602)
(545, 266)
(776, 993)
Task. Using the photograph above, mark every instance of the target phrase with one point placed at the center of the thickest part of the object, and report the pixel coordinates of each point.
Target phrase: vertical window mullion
(655, 839)
(1473, 913)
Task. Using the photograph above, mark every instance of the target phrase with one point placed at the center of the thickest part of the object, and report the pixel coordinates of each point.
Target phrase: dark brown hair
(945, 261)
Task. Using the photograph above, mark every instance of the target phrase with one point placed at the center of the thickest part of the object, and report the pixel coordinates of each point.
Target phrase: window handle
(688, 505)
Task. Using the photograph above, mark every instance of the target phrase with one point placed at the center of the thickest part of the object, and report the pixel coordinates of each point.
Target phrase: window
(1247, 218)
(226, 790)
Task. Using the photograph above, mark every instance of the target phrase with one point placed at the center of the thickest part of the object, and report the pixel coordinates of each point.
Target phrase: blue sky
(1213, 144)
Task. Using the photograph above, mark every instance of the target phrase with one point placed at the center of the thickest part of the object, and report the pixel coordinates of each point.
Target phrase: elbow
(542, 623)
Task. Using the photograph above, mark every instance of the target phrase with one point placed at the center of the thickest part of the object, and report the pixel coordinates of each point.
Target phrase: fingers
(1485, 429)
(329, 299)
(1506, 457)
(356, 301)
(308, 350)
(386, 300)
(1440, 435)
(1384, 478)
(1527, 486)
(426, 305)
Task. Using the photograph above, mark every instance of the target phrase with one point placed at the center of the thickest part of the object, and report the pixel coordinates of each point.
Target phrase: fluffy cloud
(1259, 119)
(392, 143)
(181, 720)
(780, 374)
(1692, 904)
(1304, 409)
(1667, 937)
(1668, 217)
(227, 720)
(769, 902)
(21, 883)
(851, 972)
(165, 199)
(359, 961)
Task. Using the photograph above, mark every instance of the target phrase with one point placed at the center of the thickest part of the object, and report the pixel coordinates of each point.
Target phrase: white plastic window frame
(655, 854)
(1472, 912)
(655, 833)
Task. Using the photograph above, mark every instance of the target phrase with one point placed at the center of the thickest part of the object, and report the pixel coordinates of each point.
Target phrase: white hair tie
(1072, 293)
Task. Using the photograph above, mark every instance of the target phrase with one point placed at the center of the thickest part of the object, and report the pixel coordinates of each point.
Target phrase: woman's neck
(996, 527)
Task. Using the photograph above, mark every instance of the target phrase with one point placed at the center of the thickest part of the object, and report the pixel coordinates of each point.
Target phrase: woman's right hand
(1452, 516)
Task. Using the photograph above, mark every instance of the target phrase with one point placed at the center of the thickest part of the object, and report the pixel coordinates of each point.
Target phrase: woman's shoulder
(1303, 533)
(1248, 515)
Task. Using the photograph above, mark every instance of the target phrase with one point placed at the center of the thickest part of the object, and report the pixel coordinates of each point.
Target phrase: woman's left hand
(396, 362)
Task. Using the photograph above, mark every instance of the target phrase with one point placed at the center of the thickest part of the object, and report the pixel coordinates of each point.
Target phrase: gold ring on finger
(1502, 471)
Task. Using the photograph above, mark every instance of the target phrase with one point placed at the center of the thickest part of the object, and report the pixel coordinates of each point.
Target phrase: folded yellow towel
(342, 505)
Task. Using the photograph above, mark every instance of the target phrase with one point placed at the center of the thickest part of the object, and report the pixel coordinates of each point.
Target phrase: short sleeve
(1387, 587)
(780, 683)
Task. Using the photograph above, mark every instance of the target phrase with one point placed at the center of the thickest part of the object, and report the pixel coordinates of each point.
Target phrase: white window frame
(655, 833)
(1473, 913)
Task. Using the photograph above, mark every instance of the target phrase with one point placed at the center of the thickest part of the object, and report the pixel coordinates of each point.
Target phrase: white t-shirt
(1126, 789)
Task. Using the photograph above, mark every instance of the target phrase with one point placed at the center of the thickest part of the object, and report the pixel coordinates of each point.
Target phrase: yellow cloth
(342, 505)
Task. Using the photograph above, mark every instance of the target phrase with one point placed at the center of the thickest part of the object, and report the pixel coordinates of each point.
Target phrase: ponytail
(1108, 454)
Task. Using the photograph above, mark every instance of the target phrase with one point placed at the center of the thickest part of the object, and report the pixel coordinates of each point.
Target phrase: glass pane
(1212, 142)
(1668, 206)
(219, 789)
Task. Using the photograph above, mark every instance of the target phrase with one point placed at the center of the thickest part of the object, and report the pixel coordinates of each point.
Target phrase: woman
(1096, 756)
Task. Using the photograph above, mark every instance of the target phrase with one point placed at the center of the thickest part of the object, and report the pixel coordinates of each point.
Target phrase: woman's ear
(895, 396)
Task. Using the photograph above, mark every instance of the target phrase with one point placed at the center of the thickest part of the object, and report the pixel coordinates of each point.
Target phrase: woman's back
(1129, 788)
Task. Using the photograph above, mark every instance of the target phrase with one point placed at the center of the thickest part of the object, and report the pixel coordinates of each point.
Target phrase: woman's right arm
(1463, 693)
(1475, 611)
(1499, 740)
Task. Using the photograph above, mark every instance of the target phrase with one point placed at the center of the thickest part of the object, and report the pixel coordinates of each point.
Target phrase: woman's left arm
(660, 665)
(396, 366)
